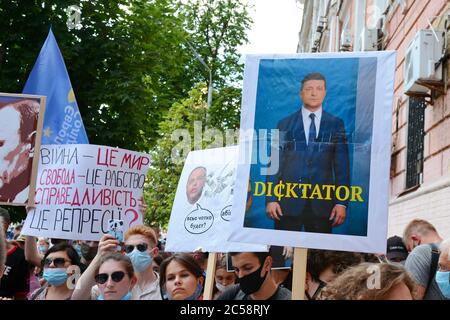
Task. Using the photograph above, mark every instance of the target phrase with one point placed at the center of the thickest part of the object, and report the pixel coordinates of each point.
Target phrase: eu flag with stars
(62, 122)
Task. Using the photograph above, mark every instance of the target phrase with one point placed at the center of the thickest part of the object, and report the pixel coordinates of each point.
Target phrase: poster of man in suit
(320, 139)
(316, 141)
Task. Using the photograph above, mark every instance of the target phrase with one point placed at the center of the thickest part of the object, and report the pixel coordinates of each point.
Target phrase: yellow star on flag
(47, 132)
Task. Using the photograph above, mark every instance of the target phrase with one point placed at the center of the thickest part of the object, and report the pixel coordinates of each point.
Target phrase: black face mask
(88, 252)
(252, 282)
(316, 293)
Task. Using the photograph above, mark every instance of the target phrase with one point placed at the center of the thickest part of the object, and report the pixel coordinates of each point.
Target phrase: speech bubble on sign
(225, 214)
(199, 220)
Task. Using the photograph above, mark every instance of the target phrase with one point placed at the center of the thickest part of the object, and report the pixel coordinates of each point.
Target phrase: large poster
(21, 118)
(203, 204)
(81, 187)
(318, 128)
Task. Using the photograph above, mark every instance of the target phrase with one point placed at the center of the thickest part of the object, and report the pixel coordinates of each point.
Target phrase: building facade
(420, 161)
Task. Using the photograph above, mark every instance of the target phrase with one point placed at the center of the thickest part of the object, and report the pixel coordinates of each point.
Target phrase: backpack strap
(434, 262)
(38, 292)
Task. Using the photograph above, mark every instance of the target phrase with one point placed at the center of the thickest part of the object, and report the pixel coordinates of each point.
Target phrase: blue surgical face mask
(77, 248)
(196, 294)
(42, 249)
(127, 296)
(443, 281)
(55, 276)
(140, 260)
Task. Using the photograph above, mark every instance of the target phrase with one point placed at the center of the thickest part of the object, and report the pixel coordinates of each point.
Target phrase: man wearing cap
(396, 250)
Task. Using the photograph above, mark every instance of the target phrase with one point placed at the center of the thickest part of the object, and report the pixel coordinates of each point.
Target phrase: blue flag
(62, 122)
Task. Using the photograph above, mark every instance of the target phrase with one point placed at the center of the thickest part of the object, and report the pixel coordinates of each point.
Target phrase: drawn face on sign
(195, 184)
(17, 130)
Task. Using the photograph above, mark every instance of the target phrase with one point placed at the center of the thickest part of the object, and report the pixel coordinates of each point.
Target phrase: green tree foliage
(216, 29)
(129, 63)
(168, 156)
(164, 173)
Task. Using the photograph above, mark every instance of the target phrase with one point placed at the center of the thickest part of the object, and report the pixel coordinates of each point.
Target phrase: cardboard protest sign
(318, 127)
(202, 208)
(81, 187)
(21, 118)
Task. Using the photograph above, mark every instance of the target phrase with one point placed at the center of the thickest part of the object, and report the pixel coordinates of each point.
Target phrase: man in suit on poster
(313, 151)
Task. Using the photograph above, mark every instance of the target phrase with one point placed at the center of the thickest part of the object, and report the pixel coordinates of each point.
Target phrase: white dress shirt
(307, 121)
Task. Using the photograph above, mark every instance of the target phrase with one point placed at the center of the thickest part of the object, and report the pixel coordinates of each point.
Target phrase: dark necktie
(312, 130)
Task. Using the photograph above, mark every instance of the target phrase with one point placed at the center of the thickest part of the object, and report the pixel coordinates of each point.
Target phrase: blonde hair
(419, 226)
(353, 284)
(144, 231)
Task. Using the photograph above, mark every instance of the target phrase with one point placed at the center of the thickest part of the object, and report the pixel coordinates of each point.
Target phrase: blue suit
(324, 161)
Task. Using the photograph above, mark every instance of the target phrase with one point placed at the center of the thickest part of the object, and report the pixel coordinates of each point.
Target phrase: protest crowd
(293, 206)
(416, 266)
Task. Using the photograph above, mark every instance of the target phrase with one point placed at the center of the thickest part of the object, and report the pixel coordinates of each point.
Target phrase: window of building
(415, 146)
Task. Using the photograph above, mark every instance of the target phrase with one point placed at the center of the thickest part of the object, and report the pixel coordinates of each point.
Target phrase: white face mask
(221, 287)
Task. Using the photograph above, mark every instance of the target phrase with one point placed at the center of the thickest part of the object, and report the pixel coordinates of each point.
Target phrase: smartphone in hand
(115, 228)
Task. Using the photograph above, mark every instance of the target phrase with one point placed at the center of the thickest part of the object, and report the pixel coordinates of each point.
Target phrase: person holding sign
(140, 248)
(182, 278)
(255, 278)
(18, 123)
(313, 155)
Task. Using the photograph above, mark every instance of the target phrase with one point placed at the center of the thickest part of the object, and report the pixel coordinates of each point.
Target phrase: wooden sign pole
(210, 273)
(299, 273)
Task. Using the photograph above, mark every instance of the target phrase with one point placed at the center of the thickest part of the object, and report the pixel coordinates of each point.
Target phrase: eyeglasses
(141, 247)
(117, 276)
(57, 262)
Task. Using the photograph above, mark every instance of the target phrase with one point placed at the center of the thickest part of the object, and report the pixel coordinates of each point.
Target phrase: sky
(276, 24)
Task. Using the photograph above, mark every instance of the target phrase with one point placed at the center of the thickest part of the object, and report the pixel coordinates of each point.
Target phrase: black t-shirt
(15, 280)
(235, 293)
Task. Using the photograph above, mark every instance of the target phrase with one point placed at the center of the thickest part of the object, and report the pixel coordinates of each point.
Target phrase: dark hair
(71, 253)
(313, 76)
(5, 215)
(260, 255)
(158, 259)
(123, 259)
(319, 260)
(186, 260)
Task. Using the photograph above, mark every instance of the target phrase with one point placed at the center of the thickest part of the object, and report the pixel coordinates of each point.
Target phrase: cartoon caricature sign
(202, 208)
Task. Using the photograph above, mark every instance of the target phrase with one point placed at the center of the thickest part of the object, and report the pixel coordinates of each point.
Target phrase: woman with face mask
(181, 278)
(140, 248)
(60, 267)
(43, 245)
(115, 277)
(223, 279)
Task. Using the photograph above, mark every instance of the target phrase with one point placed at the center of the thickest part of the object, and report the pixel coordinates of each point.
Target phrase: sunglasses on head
(117, 276)
(141, 247)
(57, 262)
